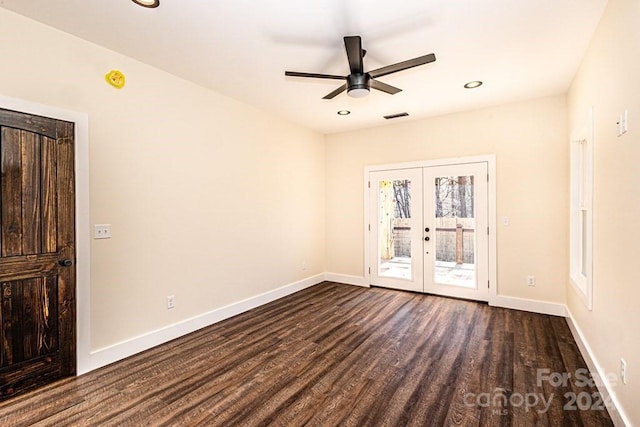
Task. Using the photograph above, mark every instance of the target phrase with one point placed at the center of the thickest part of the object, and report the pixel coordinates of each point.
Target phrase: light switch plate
(623, 123)
(102, 231)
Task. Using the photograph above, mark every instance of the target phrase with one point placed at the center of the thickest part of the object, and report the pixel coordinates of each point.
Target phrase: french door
(429, 230)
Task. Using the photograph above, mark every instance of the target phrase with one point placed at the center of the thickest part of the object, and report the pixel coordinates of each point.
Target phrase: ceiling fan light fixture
(358, 92)
(147, 3)
(472, 85)
(344, 112)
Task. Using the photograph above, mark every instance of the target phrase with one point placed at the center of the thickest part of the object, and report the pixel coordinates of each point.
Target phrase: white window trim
(581, 203)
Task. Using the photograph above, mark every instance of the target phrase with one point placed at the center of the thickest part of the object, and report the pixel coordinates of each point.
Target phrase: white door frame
(490, 159)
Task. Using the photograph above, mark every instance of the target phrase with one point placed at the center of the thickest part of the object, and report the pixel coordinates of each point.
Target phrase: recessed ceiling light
(147, 3)
(344, 112)
(473, 85)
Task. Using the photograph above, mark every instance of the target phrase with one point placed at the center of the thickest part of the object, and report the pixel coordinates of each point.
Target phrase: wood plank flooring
(337, 355)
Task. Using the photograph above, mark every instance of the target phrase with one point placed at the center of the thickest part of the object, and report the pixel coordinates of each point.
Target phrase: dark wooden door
(37, 252)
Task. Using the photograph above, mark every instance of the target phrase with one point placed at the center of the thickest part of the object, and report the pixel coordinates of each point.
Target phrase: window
(581, 243)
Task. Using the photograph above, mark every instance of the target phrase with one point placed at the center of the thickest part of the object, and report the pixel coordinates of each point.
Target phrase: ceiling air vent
(395, 116)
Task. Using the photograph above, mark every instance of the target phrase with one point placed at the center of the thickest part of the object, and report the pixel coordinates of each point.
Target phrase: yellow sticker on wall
(115, 78)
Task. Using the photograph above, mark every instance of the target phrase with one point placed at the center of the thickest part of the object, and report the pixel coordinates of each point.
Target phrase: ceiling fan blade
(403, 65)
(313, 75)
(384, 87)
(336, 92)
(353, 45)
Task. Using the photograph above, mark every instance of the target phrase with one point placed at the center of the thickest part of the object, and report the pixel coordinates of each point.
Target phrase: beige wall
(529, 141)
(209, 199)
(608, 81)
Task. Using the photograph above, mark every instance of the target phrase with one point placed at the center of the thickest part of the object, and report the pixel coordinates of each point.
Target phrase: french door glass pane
(394, 231)
(455, 231)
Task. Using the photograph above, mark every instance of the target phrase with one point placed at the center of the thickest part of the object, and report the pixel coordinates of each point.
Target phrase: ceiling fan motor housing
(360, 83)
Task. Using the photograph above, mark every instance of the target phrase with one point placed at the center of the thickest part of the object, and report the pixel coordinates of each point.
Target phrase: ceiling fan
(358, 83)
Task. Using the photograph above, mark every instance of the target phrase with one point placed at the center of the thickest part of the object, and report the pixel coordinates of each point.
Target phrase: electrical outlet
(171, 302)
(102, 231)
(531, 280)
(623, 371)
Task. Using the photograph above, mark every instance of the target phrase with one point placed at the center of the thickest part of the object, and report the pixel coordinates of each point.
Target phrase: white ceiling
(520, 49)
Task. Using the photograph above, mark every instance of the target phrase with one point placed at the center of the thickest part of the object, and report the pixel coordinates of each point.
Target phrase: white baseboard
(346, 279)
(616, 412)
(535, 306)
(119, 351)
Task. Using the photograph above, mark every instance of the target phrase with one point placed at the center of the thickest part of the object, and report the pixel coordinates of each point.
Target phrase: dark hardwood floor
(338, 355)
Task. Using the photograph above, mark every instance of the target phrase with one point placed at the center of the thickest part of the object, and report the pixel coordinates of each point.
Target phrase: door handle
(426, 230)
(426, 239)
(65, 262)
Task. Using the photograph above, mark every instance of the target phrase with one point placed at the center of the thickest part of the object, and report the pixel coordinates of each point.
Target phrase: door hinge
(369, 184)
(369, 270)
(369, 227)
(487, 230)
(488, 283)
(487, 177)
